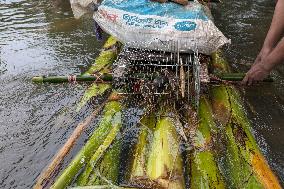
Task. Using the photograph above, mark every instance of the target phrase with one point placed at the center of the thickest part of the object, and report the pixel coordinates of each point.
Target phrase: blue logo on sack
(185, 26)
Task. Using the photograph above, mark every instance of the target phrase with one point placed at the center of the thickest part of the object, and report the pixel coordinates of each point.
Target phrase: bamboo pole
(62, 79)
(238, 77)
(107, 78)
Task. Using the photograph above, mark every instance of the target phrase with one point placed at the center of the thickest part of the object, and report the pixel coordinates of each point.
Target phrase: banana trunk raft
(209, 148)
(172, 146)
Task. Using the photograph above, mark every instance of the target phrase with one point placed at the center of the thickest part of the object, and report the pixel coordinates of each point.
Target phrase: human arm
(272, 51)
(261, 70)
(277, 27)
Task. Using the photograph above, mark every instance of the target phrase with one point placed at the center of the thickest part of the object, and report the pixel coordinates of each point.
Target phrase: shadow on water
(38, 39)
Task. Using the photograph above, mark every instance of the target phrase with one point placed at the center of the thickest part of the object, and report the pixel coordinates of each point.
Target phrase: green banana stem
(244, 165)
(205, 172)
(101, 66)
(157, 159)
(165, 164)
(106, 58)
(84, 177)
(219, 64)
(102, 62)
(139, 163)
(93, 91)
(111, 116)
(108, 168)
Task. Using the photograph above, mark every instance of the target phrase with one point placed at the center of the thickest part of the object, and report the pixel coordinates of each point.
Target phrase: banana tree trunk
(244, 165)
(157, 160)
(108, 168)
(147, 125)
(101, 66)
(165, 164)
(86, 177)
(203, 166)
(111, 117)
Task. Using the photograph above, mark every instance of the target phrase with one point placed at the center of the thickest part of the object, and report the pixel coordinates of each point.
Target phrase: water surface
(35, 120)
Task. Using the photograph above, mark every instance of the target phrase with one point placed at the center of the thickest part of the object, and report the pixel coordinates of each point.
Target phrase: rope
(98, 77)
(72, 78)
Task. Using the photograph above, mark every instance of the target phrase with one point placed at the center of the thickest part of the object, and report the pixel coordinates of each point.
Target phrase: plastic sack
(81, 7)
(160, 26)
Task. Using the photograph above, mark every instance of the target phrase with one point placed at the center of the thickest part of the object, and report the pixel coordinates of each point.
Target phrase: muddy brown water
(38, 39)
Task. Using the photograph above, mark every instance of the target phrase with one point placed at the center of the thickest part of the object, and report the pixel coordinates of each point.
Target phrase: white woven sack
(165, 27)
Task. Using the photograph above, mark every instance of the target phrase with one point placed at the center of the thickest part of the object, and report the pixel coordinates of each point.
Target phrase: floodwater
(39, 39)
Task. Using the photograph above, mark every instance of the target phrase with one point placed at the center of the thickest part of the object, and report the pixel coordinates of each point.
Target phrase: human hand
(257, 73)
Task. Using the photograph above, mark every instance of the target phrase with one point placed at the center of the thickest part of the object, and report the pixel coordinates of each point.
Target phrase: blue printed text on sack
(144, 22)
